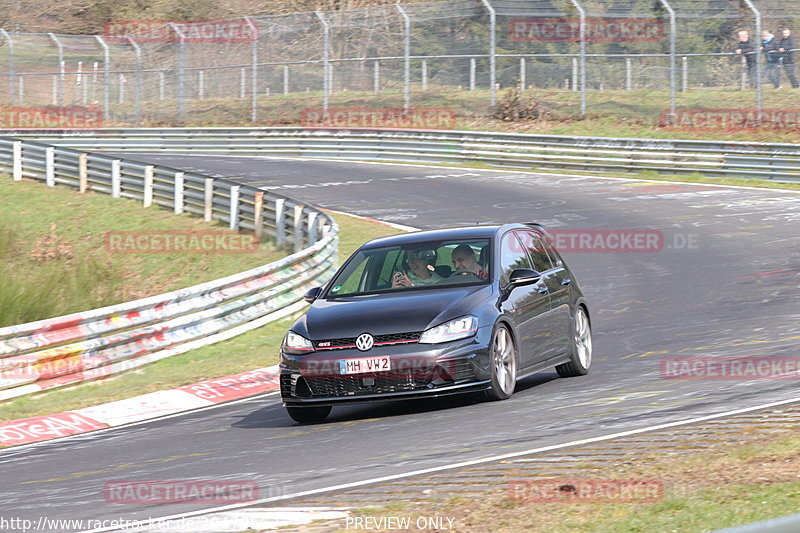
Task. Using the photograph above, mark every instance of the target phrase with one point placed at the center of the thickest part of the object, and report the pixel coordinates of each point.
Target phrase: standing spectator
(745, 47)
(785, 46)
(772, 55)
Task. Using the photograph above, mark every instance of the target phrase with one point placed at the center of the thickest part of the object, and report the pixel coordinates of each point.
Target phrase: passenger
(420, 270)
(465, 263)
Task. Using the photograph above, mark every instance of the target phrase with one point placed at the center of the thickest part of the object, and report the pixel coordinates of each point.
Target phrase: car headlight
(296, 344)
(459, 328)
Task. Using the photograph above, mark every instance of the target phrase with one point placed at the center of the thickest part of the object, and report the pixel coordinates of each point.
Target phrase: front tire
(503, 361)
(580, 347)
(309, 414)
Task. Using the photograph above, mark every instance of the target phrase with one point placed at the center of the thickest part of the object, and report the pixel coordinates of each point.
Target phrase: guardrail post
(258, 214)
(312, 228)
(148, 185)
(83, 173)
(17, 164)
(179, 192)
(116, 178)
(50, 166)
(280, 226)
(208, 206)
(298, 228)
(234, 210)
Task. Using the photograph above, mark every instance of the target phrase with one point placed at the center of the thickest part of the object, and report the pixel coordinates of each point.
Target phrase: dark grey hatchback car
(439, 312)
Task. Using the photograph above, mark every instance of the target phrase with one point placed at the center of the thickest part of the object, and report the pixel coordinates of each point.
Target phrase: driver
(420, 270)
(465, 263)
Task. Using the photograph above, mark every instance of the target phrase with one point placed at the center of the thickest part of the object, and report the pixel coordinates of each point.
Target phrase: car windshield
(416, 266)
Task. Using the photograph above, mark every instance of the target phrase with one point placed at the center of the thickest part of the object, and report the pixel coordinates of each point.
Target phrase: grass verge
(255, 349)
(722, 487)
(55, 259)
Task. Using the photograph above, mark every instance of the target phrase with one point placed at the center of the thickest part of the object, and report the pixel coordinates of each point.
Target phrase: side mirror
(523, 276)
(313, 294)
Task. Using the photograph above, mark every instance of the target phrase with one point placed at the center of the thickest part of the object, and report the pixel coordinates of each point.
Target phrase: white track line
(451, 466)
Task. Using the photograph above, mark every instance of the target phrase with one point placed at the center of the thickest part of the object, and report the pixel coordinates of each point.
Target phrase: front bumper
(417, 371)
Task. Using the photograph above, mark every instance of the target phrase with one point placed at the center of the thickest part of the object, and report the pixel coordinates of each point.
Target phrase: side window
(391, 264)
(554, 257)
(533, 244)
(512, 255)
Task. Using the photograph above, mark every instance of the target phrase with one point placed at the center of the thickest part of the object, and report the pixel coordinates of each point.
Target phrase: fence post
(673, 74)
(574, 74)
(10, 44)
(106, 76)
(258, 215)
(522, 73)
(472, 68)
(424, 74)
(179, 192)
(376, 76)
(406, 57)
(83, 173)
(743, 67)
(759, 85)
(21, 90)
(253, 70)
(138, 51)
(161, 85)
(201, 84)
(148, 185)
(326, 33)
(298, 228)
(492, 51)
(280, 227)
(208, 204)
(50, 166)
(116, 178)
(180, 72)
(17, 164)
(242, 82)
(286, 79)
(582, 55)
(59, 80)
(628, 74)
(685, 69)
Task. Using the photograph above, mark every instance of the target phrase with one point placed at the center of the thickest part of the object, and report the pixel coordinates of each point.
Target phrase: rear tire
(309, 414)
(580, 347)
(503, 361)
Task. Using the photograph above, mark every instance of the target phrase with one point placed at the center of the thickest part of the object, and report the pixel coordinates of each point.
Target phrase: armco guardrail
(785, 524)
(92, 344)
(780, 162)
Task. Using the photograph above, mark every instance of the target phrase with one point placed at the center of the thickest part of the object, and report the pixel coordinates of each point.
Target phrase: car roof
(467, 232)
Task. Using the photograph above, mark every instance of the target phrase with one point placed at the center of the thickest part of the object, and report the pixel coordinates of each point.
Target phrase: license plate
(364, 365)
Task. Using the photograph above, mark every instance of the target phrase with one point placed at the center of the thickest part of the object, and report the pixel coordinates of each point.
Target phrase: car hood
(381, 314)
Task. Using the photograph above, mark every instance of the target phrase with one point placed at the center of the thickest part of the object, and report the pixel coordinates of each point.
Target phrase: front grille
(380, 340)
(394, 381)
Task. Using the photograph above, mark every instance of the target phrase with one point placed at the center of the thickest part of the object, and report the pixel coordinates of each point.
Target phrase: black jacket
(787, 43)
(748, 50)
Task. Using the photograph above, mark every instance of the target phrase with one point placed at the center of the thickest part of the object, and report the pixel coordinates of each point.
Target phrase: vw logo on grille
(364, 342)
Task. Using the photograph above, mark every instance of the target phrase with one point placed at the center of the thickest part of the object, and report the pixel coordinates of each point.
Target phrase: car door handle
(543, 289)
(566, 282)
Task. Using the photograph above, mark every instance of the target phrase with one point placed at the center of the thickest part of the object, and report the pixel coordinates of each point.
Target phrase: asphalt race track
(725, 283)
